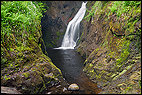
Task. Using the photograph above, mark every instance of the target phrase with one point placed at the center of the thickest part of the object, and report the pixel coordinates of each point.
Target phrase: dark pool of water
(71, 65)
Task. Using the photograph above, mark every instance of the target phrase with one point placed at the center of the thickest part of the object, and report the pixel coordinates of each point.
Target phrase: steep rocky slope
(111, 44)
(23, 64)
(29, 69)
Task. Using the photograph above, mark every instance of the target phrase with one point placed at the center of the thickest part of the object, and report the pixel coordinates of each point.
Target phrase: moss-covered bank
(23, 64)
(111, 44)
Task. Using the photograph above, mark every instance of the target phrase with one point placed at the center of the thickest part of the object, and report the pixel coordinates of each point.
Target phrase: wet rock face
(55, 20)
(9, 90)
(112, 53)
(33, 74)
(34, 78)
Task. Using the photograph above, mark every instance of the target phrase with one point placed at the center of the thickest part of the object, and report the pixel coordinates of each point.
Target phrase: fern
(96, 7)
(19, 17)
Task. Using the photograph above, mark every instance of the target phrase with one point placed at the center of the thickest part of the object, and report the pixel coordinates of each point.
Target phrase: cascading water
(69, 61)
(72, 32)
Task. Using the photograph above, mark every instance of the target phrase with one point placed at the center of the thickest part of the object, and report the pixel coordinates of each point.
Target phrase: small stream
(69, 61)
(71, 65)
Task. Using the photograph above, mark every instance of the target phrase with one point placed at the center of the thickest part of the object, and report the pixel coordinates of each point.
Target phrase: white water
(72, 32)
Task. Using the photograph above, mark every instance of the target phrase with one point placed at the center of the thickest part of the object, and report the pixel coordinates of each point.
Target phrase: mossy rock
(34, 78)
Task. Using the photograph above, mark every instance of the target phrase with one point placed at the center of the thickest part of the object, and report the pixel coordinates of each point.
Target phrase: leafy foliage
(20, 20)
(96, 7)
(19, 17)
(120, 7)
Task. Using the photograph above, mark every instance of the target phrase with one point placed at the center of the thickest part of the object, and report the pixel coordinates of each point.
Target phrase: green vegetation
(140, 84)
(20, 47)
(120, 7)
(119, 24)
(124, 55)
(19, 18)
(95, 8)
(20, 22)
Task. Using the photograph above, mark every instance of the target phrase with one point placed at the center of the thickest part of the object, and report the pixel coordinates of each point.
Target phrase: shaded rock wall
(112, 48)
(29, 70)
(55, 20)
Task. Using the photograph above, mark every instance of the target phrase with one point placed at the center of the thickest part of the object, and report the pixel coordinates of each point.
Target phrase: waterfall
(72, 32)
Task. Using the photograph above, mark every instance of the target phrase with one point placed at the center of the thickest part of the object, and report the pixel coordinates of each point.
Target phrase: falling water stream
(72, 32)
(69, 61)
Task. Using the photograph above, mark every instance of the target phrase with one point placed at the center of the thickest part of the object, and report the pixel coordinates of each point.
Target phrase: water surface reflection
(71, 65)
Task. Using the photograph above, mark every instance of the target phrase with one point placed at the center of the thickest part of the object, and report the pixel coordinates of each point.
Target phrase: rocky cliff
(111, 44)
(23, 64)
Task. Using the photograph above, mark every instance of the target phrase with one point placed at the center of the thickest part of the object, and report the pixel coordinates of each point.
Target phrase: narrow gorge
(71, 47)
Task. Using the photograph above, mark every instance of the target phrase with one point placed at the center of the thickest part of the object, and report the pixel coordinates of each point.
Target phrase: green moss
(97, 49)
(140, 84)
(127, 89)
(90, 65)
(128, 67)
(6, 77)
(119, 75)
(58, 33)
(122, 72)
(80, 38)
(26, 75)
(124, 53)
(56, 67)
(99, 75)
(120, 7)
(92, 53)
(93, 10)
(42, 89)
(113, 75)
(109, 74)
(33, 69)
(20, 48)
(123, 19)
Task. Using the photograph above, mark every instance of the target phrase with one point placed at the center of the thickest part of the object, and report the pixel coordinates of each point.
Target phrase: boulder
(73, 87)
(9, 90)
